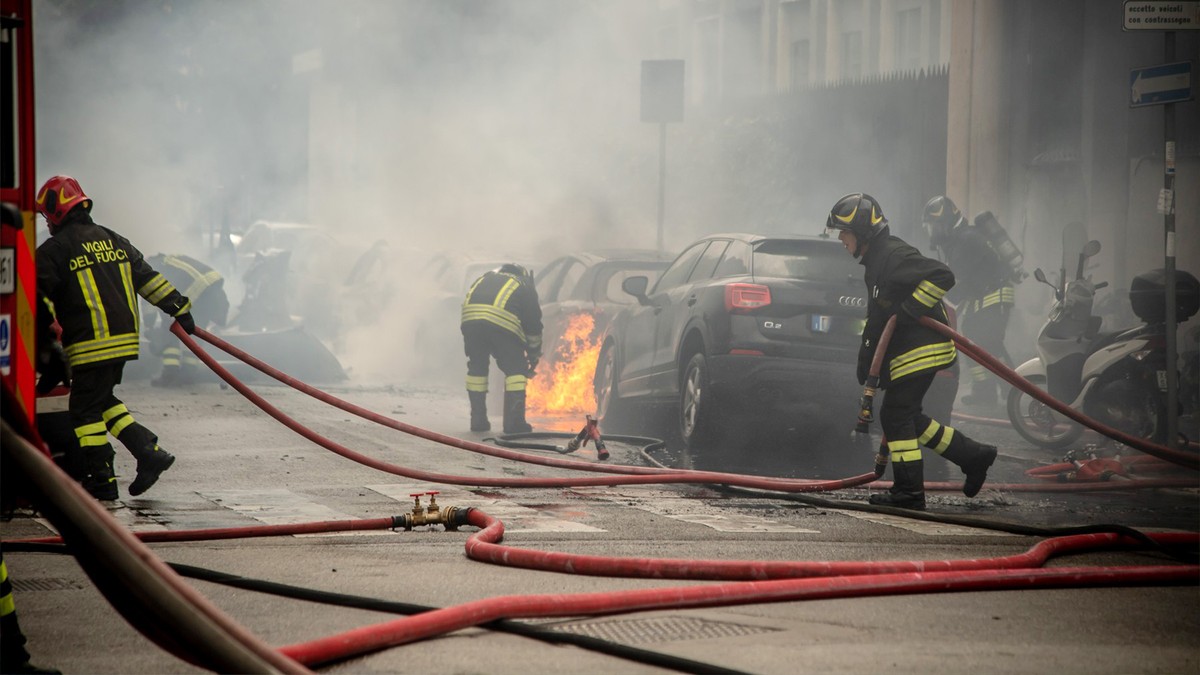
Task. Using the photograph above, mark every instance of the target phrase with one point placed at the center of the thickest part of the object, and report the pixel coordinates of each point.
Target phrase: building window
(908, 39)
(852, 54)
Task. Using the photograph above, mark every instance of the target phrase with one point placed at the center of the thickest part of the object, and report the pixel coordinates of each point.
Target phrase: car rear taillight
(746, 297)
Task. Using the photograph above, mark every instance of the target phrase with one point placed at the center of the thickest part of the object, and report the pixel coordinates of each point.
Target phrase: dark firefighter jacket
(92, 276)
(201, 284)
(508, 302)
(901, 281)
(983, 279)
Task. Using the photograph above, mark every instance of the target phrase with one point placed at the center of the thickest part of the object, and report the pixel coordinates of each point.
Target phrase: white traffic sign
(1162, 14)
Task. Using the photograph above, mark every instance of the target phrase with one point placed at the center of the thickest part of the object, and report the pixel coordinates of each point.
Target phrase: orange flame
(565, 387)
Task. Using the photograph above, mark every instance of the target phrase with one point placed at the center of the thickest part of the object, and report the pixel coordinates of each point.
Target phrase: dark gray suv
(741, 328)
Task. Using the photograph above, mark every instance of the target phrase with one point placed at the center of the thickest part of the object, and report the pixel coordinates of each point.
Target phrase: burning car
(579, 294)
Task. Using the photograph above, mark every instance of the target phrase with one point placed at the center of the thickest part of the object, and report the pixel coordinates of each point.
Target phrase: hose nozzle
(881, 462)
(866, 410)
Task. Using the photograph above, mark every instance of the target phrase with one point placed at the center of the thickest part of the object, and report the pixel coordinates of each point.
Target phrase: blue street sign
(1155, 85)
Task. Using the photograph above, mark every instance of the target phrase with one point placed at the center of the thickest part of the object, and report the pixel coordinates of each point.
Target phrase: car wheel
(697, 409)
(604, 386)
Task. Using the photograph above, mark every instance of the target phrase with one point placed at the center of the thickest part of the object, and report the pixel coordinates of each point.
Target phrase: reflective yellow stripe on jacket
(200, 280)
(103, 349)
(495, 312)
(104, 346)
(937, 355)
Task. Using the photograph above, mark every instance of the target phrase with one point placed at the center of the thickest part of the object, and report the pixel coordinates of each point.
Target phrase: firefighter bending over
(902, 282)
(91, 276)
(502, 318)
(205, 287)
(984, 293)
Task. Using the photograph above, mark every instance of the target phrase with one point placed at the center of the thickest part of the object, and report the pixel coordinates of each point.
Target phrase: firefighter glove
(52, 364)
(187, 322)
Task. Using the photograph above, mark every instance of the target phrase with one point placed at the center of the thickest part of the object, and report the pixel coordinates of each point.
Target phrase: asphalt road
(238, 467)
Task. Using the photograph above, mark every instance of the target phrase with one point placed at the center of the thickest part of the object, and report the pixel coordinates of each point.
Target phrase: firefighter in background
(984, 293)
(502, 318)
(205, 287)
(903, 283)
(91, 276)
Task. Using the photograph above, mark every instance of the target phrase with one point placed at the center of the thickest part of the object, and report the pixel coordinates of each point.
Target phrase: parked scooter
(1117, 378)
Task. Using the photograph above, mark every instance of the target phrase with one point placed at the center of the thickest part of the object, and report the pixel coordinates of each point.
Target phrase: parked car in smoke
(740, 330)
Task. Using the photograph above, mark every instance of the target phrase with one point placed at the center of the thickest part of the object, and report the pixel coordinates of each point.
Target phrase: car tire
(610, 409)
(697, 409)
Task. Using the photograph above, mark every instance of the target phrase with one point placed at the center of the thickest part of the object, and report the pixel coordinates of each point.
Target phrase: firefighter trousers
(483, 341)
(96, 412)
(906, 427)
(986, 327)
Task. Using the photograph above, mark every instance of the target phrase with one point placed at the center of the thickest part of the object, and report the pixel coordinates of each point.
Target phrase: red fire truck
(18, 276)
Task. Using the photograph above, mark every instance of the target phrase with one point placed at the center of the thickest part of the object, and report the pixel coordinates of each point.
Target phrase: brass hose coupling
(450, 517)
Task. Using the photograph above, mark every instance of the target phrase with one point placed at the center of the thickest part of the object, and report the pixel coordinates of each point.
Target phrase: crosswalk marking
(279, 506)
(678, 506)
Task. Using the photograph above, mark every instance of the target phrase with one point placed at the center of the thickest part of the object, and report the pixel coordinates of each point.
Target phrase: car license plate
(820, 323)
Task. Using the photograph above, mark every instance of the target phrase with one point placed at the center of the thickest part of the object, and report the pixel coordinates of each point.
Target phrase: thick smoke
(437, 132)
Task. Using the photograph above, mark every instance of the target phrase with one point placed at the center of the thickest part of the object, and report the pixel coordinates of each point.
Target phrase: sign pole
(662, 102)
(1169, 253)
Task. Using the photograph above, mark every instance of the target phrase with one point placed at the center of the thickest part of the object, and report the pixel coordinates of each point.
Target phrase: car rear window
(804, 260)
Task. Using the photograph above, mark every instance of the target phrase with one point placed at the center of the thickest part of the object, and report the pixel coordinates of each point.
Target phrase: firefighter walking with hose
(89, 277)
(907, 285)
(502, 318)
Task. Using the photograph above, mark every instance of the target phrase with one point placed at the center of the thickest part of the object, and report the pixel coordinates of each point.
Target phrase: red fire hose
(1186, 459)
(643, 475)
(640, 475)
(400, 631)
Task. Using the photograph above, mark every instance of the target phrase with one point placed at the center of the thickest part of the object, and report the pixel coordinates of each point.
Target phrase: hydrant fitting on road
(451, 517)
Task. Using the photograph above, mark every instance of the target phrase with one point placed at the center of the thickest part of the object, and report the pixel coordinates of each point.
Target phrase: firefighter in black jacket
(902, 282)
(502, 318)
(984, 293)
(91, 277)
(205, 287)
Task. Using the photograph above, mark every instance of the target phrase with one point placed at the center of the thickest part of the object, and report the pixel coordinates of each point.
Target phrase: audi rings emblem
(851, 301)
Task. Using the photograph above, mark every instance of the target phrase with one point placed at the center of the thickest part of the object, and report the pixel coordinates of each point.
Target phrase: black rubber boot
(100, 481)
(908, 487)
(514, 413)
(479, 418)
(149, 467)
(973, 458)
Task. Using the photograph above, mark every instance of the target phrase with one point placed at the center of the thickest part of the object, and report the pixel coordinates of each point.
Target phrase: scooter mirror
(1091, 248)
(1040, 275)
